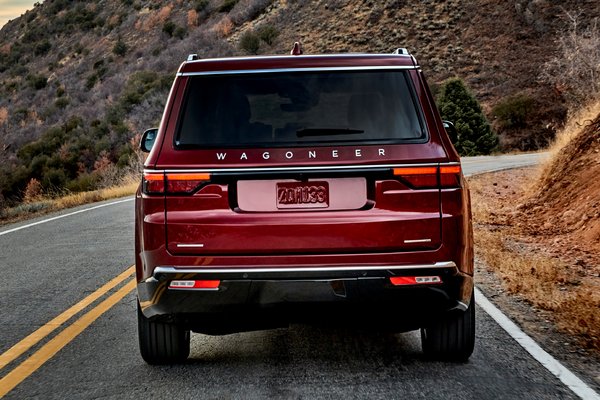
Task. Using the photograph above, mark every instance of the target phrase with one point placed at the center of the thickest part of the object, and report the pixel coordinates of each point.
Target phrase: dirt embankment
(567, 200)
(540, 233)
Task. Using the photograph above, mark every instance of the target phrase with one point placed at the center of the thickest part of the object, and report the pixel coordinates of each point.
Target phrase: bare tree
(575, 70)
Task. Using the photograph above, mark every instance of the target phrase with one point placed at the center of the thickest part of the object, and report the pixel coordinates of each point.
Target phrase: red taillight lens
(415, 280)
(206, 285)
(153, 183)
(418, 177)
(176, 183)
(450, 176)
(185, 182)
(427, 177)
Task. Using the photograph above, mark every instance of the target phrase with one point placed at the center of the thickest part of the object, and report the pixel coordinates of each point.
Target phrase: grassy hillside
(80, 80)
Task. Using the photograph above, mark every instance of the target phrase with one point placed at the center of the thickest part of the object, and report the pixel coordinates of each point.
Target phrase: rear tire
(162, 343)
(452, 338)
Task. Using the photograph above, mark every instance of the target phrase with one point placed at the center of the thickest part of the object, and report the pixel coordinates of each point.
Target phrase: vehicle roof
(297, 62)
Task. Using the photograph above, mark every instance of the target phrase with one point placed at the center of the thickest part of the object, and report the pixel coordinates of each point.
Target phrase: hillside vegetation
(80, 80)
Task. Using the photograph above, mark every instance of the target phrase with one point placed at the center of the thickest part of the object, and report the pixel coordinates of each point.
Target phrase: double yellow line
(54, 345)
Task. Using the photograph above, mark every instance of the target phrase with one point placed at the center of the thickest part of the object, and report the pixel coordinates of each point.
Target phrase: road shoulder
(539, 323)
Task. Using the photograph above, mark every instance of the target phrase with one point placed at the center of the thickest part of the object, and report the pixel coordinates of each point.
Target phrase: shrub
(91, 81)
(3, 205)
(33, 191)
(42, 48)
(38, 165)
(192, 18)
(180, 32)
(21, 114)
(61, 102)
(268, 34)
(120, 48)
(200, 5)
(18, 70)
(37, 82)
(250, 42)
(83, 183)
(54, 179)
(13, 181)
(30, 16)
(512, 112)
(457, 104)
(224, 27)
(169, 27)
(227, 5)
(140, 85)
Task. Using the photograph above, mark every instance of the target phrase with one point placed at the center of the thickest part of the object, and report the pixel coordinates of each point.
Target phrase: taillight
(153, 183)
(418, 177)
(185, 182)
(429, 177)
(450, 176)
(173, 183)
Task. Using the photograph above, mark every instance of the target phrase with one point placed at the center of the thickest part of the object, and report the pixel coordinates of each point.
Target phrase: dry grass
(77, 199)
(546, 283)
(526, 264)
(536, 277)
(46, 205)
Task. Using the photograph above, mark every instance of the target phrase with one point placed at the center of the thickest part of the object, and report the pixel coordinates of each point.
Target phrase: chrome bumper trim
(221, 271)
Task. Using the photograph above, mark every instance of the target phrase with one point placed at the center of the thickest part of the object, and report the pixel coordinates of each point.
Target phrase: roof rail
(192, 57)
(401, 51)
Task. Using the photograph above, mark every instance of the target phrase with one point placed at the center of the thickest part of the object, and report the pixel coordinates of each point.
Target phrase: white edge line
(63, 216)
(568, 378)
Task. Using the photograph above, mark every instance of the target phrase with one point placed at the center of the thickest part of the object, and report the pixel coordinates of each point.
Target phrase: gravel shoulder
(495, 198)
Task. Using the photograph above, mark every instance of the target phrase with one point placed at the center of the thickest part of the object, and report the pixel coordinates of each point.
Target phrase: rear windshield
(299, 109)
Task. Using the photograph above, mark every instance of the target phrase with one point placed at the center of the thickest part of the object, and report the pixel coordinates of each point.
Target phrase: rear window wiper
(327, 131)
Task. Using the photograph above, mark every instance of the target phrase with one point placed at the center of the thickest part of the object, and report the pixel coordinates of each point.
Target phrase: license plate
(303, 194)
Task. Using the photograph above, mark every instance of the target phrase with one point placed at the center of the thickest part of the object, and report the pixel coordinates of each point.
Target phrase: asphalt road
(47, 268)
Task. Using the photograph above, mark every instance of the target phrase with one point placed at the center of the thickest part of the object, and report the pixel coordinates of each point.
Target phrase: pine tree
(458, 105)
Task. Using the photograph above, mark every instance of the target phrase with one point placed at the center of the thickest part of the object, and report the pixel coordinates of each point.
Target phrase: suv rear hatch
(306, 166)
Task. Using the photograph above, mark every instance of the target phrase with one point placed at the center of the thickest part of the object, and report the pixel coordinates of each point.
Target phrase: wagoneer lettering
(307, 189)
(310, 154)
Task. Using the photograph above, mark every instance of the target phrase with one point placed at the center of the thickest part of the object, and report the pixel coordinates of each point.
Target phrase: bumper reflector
(415, 280)
(205, 285)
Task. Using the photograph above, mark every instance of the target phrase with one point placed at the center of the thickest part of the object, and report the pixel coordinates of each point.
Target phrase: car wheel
(452, 338)
(162, 343)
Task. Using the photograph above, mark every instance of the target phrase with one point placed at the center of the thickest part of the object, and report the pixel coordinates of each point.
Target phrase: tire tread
(162, 343)
(451, 338)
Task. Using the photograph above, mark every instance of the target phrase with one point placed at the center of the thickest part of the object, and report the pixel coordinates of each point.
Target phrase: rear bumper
(249, 298)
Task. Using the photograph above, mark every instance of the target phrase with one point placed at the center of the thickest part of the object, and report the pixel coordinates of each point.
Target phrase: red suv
(302, 188)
